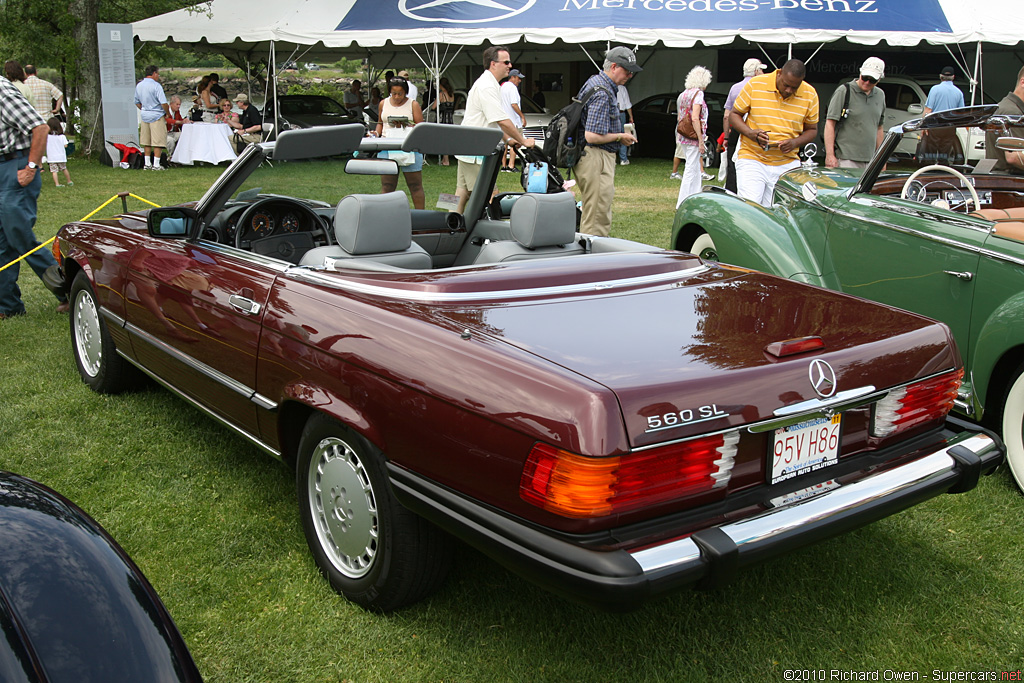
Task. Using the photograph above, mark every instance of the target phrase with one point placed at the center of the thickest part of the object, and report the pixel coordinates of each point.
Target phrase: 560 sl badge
(680, 418)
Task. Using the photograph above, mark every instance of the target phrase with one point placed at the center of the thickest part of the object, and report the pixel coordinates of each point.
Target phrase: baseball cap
(404, 74)
(515, 72)
(874, 67)
(947, 71)
(624, 57)
(752, 65)
(241, 97)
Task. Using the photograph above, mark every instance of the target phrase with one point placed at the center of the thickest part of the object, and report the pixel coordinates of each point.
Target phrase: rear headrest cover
(373, 223)
(544, 220)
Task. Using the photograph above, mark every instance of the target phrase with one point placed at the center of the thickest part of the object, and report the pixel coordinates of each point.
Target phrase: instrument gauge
(290, 222)
(261, 225)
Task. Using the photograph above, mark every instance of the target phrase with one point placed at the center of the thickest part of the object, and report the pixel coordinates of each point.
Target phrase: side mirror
(171, 222)
(809, 191)
(915, 109)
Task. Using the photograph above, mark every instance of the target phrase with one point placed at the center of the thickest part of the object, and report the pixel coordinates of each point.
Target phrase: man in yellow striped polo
(781, 116)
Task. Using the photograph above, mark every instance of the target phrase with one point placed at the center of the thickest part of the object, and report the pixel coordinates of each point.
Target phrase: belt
(17, 154)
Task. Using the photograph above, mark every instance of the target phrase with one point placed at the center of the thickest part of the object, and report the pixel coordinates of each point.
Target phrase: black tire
(1011, 425)
(710, 154)
(372, 550)
(95, 354)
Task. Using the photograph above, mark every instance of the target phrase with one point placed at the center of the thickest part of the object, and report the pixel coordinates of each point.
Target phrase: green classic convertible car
(938, 238)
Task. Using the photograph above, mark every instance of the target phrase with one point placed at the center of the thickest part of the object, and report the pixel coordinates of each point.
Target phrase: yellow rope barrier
(93, 213)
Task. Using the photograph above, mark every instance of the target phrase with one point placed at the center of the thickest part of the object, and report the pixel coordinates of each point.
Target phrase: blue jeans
(624, 116)
(17, 217)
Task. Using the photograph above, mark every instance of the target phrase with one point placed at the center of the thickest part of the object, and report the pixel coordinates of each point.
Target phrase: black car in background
(655, 119)
(73, 605)
(307, 111)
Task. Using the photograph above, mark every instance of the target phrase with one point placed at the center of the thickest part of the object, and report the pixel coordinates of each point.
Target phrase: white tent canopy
(332, 26)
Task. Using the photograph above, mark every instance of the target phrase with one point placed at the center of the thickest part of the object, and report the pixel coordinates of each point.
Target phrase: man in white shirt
(414, 92)
(483, 108)
(510, 102)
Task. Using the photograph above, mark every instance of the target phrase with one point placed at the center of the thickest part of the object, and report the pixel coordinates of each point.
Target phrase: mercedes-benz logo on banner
(469, 11)
(823, 378)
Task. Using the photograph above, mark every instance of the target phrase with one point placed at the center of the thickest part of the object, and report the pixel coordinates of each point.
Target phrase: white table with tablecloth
(209, 142)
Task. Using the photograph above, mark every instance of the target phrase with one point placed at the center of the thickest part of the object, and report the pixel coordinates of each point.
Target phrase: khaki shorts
(680, 150)
(153, 134)
(467, 175)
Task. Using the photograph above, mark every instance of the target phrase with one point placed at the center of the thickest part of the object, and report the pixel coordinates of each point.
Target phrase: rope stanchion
(123, 196)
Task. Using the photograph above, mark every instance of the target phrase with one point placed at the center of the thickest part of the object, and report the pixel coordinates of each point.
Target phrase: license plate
(804, 494)
(805, 447)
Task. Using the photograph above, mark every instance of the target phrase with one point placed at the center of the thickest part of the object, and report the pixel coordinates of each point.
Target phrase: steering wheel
(273, 206)
(947, 169)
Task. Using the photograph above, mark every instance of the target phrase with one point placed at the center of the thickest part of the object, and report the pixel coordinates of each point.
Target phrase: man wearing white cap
(752, 67)
(853, 123)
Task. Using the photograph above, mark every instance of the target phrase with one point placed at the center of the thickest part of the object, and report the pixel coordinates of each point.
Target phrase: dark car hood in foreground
(73, 607)
(699, 345)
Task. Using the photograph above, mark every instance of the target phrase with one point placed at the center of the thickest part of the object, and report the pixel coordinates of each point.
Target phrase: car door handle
(243, 305)
(963, 275)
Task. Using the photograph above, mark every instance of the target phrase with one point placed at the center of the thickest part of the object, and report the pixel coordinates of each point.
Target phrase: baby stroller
(539, 175)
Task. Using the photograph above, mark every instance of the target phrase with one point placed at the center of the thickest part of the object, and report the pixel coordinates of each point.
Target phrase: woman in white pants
(691, 104)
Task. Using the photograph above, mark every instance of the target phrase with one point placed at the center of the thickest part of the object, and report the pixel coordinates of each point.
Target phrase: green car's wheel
(1013, 428)
(371, 549)
(704, 247)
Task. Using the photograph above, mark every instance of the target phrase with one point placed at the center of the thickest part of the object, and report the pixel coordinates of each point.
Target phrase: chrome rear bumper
(620, 579)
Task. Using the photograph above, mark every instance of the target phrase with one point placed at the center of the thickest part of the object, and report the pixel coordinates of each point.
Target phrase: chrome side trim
(319, 278)
(243, 255)
(761, 530)
(256, 441)
(113, 317)
(203, 368)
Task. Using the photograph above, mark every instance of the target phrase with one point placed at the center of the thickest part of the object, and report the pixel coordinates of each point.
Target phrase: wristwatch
(33, 165)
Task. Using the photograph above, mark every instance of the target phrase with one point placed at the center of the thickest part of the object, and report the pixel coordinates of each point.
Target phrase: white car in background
(537, 118)
(904, 100)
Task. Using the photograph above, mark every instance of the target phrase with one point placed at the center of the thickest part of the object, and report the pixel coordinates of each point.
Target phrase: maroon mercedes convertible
(608, 419)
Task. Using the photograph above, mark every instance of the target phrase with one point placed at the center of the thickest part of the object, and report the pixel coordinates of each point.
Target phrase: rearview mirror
(371, 167)
(170, 222)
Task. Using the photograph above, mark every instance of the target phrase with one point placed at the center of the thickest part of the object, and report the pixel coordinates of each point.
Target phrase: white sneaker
(157, 167)
(706, 176)
(624, 163)
(675, 176)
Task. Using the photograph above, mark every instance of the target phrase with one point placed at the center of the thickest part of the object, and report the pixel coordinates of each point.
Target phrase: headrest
(544, 220)
(373, 223)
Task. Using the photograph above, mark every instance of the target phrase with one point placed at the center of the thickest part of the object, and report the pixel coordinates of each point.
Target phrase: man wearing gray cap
(752, 67)
(853, 124)
(603, 131)
(510, 102)
(945, 95)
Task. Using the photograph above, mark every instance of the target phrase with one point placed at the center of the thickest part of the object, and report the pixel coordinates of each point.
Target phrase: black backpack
(563, 138)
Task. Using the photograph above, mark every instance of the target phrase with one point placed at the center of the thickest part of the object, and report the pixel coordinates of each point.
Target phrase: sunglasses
(869, 79)
(506, 62)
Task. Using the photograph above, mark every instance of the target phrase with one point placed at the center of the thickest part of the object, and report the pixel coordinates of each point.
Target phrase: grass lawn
(213, 523)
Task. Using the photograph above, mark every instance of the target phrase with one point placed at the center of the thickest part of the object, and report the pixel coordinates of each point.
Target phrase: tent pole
(273, 81)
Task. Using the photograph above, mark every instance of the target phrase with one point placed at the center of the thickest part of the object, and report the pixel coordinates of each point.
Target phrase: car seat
(375, 229)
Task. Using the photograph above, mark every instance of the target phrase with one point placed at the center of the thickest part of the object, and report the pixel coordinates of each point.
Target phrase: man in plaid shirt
(595, 171)
(22, 143)
(44, 94)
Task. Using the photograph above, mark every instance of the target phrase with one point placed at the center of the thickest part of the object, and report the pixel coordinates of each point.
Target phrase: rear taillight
(578, 486)
(916, 404)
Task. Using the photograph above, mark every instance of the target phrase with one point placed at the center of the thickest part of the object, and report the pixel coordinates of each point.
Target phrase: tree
(66, 41)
